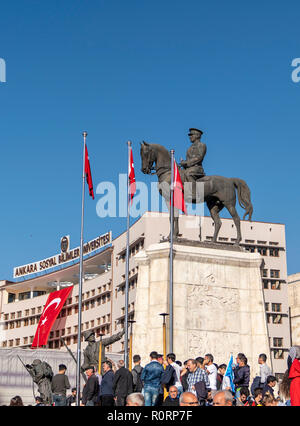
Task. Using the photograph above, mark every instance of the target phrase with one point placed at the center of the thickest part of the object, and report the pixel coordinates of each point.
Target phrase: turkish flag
(54, 304)
(87, 169)
(178, 194)
(131, 176)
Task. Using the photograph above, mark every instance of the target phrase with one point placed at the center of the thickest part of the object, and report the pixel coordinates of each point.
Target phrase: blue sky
(142, 70)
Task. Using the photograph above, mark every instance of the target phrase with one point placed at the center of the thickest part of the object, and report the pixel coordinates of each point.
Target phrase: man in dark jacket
(241, 374)
(91, 388)
(136, 374)
(106, 387)
(183, 377)
(270, 384)
(122, 384)
(173, 399)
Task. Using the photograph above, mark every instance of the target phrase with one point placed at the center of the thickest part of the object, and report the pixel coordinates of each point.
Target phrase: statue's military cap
(88, 333)
(194, 131)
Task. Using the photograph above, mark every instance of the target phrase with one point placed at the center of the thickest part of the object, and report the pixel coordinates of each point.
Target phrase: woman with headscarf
(294, 374)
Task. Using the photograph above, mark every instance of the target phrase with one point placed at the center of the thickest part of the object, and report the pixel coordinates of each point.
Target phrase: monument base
(218, 303)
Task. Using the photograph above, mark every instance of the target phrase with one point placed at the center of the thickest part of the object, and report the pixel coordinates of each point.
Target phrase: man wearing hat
(91, 388)
(194, 156)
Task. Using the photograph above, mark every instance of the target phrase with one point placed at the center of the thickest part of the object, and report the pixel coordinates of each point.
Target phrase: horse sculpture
(218, 191)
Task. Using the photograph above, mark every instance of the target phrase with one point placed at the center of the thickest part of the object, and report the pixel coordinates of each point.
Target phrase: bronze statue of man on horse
(216, 191)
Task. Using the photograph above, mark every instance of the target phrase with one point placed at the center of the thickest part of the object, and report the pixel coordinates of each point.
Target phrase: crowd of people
(169, 383)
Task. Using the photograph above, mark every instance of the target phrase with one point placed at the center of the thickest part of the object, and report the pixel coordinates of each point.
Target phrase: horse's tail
(244, 196)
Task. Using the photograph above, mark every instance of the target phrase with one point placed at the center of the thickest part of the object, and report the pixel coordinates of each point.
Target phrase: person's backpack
(201, 391)
(47, 370)
(138, 386)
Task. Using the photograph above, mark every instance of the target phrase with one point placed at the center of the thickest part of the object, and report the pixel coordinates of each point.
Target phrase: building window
(262, 251)
(26, 322)
(264, 273)
(266, 306)
(276, 307)
(38, 293)
(6, 316)
(276, 319)
(25, 340)
(11, 297)
(24, 296)
(278, 342)
(12, 315)
(274, 252)
(19, 314)
(274, 273)
(278, 354)
(266, 284)
(17, 342)
(275, 285)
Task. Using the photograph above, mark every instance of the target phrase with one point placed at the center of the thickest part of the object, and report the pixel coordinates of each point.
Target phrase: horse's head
(148, 157)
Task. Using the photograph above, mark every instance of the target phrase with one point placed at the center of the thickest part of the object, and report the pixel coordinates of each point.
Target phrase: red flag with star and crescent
(54, 304)
(178, 194)
(131, 177)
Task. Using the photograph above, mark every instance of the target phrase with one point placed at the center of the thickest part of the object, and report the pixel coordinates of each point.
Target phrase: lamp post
(100, 355)
(164, 334)
(164, 346)
(130, 344)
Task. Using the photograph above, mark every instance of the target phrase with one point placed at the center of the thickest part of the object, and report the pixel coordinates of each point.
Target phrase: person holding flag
(228, 378)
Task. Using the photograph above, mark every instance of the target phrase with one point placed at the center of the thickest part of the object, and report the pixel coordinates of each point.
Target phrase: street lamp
(164, 346)
(130, 344)
(100, 354)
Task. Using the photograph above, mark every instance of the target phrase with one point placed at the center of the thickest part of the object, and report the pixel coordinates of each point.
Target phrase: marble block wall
(218, 303)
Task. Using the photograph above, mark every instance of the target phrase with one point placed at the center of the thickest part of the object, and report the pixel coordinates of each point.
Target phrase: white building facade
(21, 302)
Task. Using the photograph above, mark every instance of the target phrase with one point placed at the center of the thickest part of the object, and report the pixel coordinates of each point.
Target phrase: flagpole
(78, 369)
(171, 255)
(126, 361)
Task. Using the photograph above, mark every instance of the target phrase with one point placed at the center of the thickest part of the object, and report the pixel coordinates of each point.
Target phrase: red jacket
(295, 384)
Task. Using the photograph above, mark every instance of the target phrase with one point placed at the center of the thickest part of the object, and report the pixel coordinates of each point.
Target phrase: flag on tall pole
(179, 202)
(53, 306)
(131, 175)
(131, 189)
(171, 254)
(86, 173)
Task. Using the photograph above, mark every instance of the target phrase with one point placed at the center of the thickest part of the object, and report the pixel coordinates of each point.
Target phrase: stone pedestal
(218, 302)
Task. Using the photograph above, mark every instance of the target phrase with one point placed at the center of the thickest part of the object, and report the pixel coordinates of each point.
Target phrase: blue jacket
(152, 374)
(106, 386)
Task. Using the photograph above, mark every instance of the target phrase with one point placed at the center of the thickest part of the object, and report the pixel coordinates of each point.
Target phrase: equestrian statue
(216, 191)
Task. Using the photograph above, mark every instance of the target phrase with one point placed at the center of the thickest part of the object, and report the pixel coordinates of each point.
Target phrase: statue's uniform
(194, 157)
